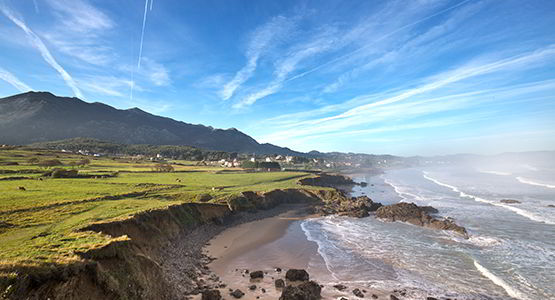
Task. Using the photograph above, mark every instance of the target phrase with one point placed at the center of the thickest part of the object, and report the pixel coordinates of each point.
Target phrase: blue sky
(401, 77)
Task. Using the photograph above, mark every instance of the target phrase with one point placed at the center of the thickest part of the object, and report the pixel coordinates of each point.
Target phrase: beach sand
(267, 244)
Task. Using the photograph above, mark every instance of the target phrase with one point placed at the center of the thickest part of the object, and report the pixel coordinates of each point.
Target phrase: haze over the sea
(398, 77)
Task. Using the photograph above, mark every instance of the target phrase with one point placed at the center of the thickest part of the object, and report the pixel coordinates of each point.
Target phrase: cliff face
(135, 266)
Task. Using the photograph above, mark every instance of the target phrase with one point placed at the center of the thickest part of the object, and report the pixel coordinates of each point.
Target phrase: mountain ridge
(33, 117)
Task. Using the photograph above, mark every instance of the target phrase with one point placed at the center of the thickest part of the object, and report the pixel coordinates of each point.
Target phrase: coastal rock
(340, 287)
(252, 287)
(357, 207)
(358, 293)
(413, 214)
(327, 180)
(393, 297)
(279, 283)
(211, 295)
(551, 205)
(296, 275)
(509, 201)
(237, 294)
(257, 274)
(309, 290)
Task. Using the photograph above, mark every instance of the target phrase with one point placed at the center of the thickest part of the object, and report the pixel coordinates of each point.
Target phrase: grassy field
(40, 224)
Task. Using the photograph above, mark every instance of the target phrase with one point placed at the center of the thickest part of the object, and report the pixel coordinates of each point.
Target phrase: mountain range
(41, 116)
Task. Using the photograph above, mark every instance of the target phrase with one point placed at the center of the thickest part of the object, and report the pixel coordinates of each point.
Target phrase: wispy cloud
(389, 107)
(156, 72)
(13, 80)
(45, 53)
(79, 31)
(289, 64)
(261, 39)
(417, 43)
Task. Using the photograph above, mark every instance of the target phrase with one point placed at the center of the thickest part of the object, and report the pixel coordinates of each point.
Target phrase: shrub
(163, 168)
(61, 173)
(50, 163)
(33, 160)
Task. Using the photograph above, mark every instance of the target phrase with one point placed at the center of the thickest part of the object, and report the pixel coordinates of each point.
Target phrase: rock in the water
(340, 287)
(393, 297)
(374, 296)
(357, 207)
(551, 205)
(211, 295)
(279, 283)
(431, 298)
(358, 293)
(237, 294)
(252, 287)
(278, 269)
(296, 275)
(509, 201)
(309, 290)
(257, 274)
(413, 214)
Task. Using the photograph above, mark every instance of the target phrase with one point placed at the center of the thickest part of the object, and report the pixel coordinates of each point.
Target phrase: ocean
(510, 253)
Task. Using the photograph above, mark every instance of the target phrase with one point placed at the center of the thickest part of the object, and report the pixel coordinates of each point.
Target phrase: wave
(401, 193)
(530, 182)
(496, 173)
(500, 282)
(516, 210)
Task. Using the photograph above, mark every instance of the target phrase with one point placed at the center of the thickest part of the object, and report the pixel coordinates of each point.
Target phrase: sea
(510, 253)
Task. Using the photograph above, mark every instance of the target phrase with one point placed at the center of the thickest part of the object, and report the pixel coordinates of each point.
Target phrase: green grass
(41, 225)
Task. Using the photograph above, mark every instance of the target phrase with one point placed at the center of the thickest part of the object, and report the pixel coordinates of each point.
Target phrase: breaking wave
(530, 182)
(516, 210)
(500, 282)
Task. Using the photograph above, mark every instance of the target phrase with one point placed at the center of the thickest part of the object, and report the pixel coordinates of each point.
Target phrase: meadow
(41, 216)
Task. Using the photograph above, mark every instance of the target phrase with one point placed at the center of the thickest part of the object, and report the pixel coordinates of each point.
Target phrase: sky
(421, 77)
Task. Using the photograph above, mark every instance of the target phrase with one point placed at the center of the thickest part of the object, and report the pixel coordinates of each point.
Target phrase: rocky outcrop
(357, 207)
(296, 275)
(309, 290)
(509, 201)
(327, 180)
(413, 214)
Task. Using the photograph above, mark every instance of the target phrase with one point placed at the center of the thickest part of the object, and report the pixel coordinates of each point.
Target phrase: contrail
(45, 53)
(151, 4)
(383, 37)
(11, 79)
(142, 35)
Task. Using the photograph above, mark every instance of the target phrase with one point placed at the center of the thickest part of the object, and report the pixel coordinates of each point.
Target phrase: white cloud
(79, 31)
(261, 39)
(388, 107)
(155, 72)
(289, 64)
(80, 16)
(45, 53)
(13, 80)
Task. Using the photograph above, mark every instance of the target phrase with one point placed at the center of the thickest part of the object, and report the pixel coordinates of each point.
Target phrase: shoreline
(269, 244)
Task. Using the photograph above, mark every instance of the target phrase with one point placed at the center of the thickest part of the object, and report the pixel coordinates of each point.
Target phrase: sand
(267, 244)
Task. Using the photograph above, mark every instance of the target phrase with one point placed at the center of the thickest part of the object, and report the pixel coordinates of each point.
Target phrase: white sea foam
(531, 182)
(401, 193)
(496, 173)
(500, 282)
(516, 210)
(483, 241)
(321, 246)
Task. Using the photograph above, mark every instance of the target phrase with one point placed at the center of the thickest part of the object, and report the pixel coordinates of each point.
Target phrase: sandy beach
(266, 245)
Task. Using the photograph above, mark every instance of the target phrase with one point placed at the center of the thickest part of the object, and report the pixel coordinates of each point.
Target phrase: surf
(500, 282)
(519, 211)
(530, 182)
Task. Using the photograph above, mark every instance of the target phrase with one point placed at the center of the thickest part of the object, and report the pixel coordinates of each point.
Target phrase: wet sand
(267, 244)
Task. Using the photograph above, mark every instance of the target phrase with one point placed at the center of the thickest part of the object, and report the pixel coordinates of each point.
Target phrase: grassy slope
(41, 225)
